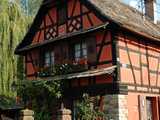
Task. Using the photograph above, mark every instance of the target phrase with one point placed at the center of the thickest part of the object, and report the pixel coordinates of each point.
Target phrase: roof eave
(141, 34)
(22, 50)
(120, 25)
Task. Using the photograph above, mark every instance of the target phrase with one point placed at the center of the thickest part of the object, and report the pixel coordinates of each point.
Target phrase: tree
(33, 6)
(13, 26)
(30, 6)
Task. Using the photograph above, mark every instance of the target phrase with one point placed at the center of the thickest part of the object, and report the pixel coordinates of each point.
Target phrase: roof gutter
(141, 34)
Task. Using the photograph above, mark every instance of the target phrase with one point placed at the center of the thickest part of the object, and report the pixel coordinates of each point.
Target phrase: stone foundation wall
(123, 108)
(115, 107)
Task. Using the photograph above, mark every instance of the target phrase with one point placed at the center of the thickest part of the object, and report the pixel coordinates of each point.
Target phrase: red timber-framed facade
(118, 49)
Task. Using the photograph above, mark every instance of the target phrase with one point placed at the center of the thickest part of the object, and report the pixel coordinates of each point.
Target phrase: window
(149, 108)
(80, 50)
(62, 13)
(48, 58)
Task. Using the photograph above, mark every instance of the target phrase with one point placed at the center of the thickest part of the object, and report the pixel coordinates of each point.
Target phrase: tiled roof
(119, 13)
(127, 17)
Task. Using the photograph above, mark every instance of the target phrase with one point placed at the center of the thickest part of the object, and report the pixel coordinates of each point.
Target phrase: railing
(66, 67)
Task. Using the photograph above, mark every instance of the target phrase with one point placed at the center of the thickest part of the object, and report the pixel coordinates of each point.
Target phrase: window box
(44, 72)
(72, 67)
(62, 69)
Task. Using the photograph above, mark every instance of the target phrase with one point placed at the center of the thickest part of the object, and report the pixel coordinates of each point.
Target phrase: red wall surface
(139, 61)
(78, 17)
(140, 70)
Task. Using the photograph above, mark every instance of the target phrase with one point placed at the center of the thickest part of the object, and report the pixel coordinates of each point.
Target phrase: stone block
(26, 115)
(64, 114)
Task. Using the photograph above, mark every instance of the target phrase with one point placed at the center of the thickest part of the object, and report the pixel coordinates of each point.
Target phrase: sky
(135, 3)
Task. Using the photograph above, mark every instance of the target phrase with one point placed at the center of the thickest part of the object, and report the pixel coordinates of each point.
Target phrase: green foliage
(61, 69)
(41, 96)
(86, 109)
(42, 116)
(20, 68)
(34, 6)
(13, 26)
(6, 102)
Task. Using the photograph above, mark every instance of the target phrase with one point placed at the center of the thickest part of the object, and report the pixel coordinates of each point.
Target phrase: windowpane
(49, 58)
(47, 62)
(80, 50)
(52, 58)
(46, 59)
(77, 54)
(84, 45)
(47, 55)
(149, 108)
(77, 47)
(84, 52)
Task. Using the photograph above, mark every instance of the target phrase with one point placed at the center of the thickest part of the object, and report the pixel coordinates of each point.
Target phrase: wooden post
(26, 115)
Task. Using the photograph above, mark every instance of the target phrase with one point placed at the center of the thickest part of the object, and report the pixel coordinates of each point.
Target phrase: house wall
(139, 60)
(31, 63)
(79, 17)
(102, 57)
(139, 70)
(137, 106)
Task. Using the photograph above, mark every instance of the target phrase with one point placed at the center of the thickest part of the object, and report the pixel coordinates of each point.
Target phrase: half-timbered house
(113, 49)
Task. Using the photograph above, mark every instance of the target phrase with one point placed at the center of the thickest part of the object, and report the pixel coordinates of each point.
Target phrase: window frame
(51, 58)
(81, 50)
(149, 109)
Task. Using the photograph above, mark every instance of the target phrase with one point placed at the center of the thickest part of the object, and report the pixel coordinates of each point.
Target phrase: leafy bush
(40, 96)
(86, 110)
(42, 116)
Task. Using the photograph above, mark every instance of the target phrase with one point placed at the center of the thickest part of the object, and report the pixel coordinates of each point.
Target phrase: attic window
(62, 13)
